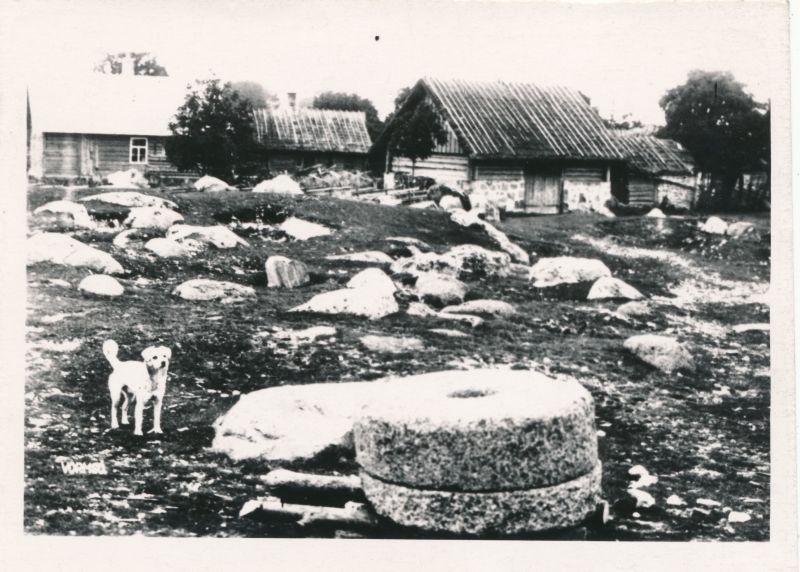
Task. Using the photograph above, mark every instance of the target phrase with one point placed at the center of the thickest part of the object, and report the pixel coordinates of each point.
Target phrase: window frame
(145, 147)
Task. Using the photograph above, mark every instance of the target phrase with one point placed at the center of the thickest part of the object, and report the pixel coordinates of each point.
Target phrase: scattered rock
(707, 502)
(608, 288)
(204, 289)
(367, 294)
(389, 201)
(448, 333)
(370, 257)
(152, 217)
(302, 229)
(478, 513)
(549, 272)
(101, 285)
(468, 219)
(129, 178)
(168, 248)
(420, 309)
(481, 307)
(218, 236)
(742, 328)
(211, 184)
(450, 203)
(633, 309)
(374, 281)
(392, 344)
(284, 272)
(61, 249)
(656, 213)
(643, 498)
(408, 241)
(65, 214)
(59, 282)
(714, 225)
(473, 321)
(743, 229)
(292, 423)
(424, 205)
(661, 352)
(466, 262)
(282, 184)
(131, 199)
(675, 500)
(441, 289)
(736, 517)
(123, 239)
(645, 479)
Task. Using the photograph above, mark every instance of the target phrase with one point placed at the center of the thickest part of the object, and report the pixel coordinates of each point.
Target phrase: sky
(622, 56)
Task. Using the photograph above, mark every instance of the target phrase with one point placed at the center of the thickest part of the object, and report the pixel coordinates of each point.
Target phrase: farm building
(99, 124)
(298, 137)
(657, 168)
(518, 146)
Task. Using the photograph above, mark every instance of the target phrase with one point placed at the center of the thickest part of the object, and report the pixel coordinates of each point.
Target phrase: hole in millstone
(467, 393)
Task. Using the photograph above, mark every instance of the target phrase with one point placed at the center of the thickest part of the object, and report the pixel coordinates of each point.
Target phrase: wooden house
(657, 168)
(93, 126)
(297, 137)
(517, 146)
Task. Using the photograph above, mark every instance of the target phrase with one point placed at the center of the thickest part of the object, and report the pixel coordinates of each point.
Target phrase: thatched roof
(304, 129)
(517, 120)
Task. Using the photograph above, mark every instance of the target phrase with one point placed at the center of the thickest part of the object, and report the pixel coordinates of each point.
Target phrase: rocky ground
(703, 434)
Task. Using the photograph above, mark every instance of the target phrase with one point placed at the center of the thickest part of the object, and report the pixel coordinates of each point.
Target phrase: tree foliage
(144, 63)
(213, 132)
(724, 128)
(351, 102)
(625, 122)
(416, 130)
(255, 93)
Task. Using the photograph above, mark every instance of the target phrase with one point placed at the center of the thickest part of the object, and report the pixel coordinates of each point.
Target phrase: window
(138, 150)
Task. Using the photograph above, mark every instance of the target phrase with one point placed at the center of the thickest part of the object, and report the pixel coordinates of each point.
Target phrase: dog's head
(157, 357)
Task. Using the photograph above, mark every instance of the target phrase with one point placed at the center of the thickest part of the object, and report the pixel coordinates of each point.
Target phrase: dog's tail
(110, 349)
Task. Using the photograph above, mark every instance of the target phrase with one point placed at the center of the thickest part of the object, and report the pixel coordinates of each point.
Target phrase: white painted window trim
(145, 147)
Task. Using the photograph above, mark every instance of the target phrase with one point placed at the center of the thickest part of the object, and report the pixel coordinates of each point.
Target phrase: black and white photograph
(423, 270)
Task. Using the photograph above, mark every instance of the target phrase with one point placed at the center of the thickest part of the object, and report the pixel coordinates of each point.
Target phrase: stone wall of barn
(586, 188)
(677, 194)
(501, 186)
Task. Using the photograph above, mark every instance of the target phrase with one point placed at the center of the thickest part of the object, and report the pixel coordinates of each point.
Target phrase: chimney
(126, 63)
(291, 97)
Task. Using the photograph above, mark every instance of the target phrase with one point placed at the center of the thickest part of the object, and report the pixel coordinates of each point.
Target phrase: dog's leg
(114, 402)
(124, 416)
(138, 415)
(158, 401)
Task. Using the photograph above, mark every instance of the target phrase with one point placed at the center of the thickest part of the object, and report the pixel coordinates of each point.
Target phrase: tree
(415, 132)
(724, 128)
(144, 63)
(351, 102)
(399, 100)
(626, 122)
(255, 93)
(213, 132)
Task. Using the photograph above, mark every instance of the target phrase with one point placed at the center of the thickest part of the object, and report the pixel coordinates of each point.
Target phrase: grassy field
(705, 435)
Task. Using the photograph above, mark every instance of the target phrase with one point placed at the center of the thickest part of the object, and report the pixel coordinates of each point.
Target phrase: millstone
(479, 430)
(487, 513)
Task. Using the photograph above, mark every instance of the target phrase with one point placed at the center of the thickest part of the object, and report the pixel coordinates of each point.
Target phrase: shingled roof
(517, 120)
(655, 156)
(304, 129)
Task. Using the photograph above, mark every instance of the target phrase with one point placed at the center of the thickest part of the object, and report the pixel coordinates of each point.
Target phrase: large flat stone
(476, 430)
(487, 513)
(558, 270)
(661, 352)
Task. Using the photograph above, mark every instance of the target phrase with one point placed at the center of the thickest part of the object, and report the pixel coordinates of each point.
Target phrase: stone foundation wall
(507, 194)
(678, 196)
(586, 196)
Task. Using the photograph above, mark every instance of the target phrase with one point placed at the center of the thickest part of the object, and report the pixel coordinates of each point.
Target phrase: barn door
(543, 190)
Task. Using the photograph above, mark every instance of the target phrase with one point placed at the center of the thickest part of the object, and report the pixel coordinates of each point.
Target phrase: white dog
(142, 380)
